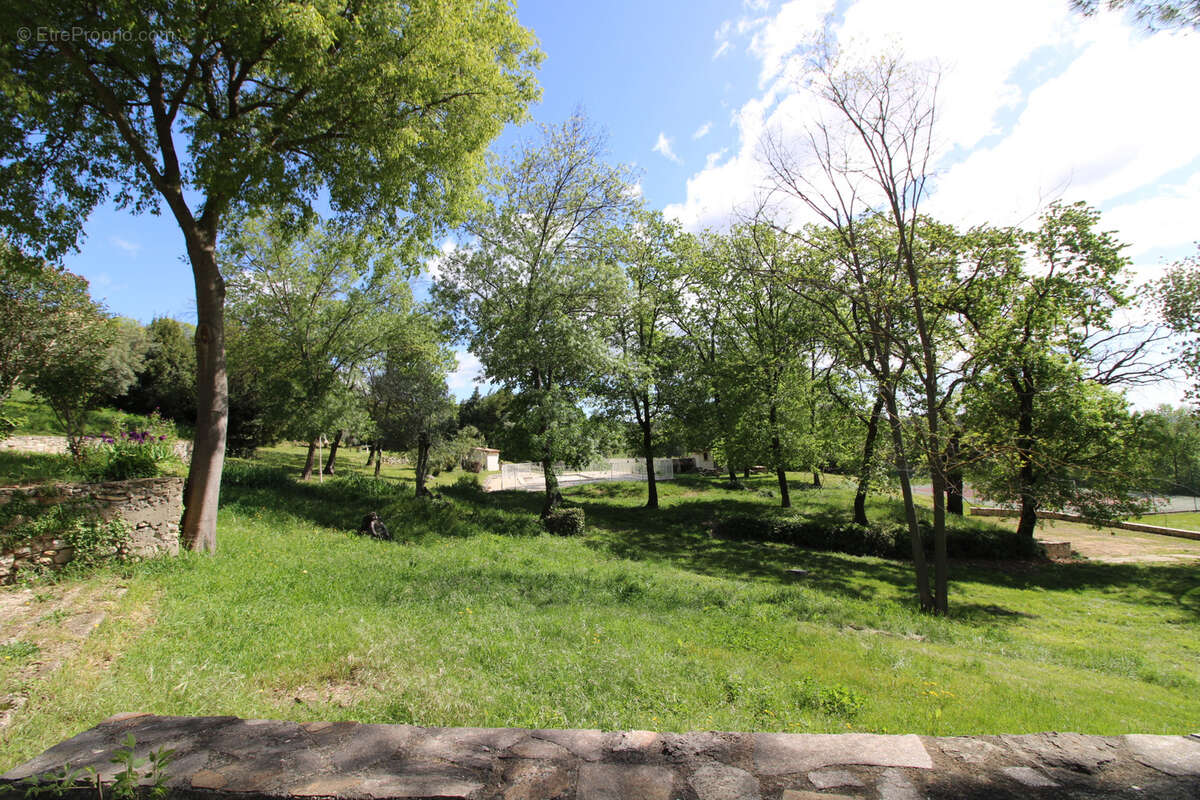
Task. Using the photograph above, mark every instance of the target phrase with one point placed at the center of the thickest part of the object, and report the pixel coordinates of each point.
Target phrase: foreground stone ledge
(253, 759)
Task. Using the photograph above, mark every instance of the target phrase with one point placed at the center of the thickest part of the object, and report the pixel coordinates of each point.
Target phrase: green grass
(1187, 520)
(19, 468)
(474, 617)
(37, 418)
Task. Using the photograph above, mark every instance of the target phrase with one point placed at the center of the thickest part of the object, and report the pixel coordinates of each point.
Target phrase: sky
(1036, 104)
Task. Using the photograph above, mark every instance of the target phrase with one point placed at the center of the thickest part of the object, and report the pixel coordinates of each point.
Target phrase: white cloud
(663, 147)
(711, 159)
(1168, 218)
(721, 50)
(132, 248)
(433, 265)
(466, 376)
(1034, 102)
(702, 131)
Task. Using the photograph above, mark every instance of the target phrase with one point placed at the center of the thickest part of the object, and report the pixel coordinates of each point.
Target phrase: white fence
(530, 477)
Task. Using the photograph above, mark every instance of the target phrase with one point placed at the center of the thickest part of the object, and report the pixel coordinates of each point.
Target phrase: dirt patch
(1114, 545)
(43, 627)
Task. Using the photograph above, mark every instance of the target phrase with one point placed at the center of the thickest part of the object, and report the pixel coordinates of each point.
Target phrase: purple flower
(162, 438)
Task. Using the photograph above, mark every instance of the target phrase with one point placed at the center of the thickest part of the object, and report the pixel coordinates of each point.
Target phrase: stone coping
(259, 759)
(1179, 533)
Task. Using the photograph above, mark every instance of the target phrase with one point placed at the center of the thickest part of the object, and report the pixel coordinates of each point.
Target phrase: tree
(214, 108)
(1169, 440)
(1154, 14)
(76, 374)
(167, 379)
(649, 251)
(39, 304)
(1178, 296)
(1048, 434)
(411, 405)
(533, 290)
(317, 306)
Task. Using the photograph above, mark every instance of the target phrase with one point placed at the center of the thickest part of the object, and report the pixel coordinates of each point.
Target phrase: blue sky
(1035, 104)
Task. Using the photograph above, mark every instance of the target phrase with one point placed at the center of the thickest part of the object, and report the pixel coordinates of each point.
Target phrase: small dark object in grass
(564, 521)
(373, 526)
(797, 573)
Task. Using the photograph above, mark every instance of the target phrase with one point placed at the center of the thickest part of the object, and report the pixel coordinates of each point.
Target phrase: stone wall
(58, 444)
(150, 507)
(982, 511)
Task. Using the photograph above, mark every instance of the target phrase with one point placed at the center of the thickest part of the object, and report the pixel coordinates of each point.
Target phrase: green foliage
(18, 651)
(884, 540)
(313, 307)
(1178, 296)
(532, 292)
(142, 449)
(93, 541)
(167, 380)
(565, 522)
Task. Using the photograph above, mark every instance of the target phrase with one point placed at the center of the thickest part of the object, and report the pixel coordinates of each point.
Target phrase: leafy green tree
(75, 376)
(649, 252)
(317, 306)
(213, 108)
(39, 304)
(167, 379)
(410, 403)
(1047, 437)
(1169, 444)
(1178, 297)
(533, 289)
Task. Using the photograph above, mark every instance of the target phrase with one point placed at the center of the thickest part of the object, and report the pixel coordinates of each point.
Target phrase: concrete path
(220, 756)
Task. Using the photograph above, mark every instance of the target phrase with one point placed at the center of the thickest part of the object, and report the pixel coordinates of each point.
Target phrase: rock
(624, 781)
(785, 753)
(1173, 755)
(721, 782)
(1071, 751)
(1028, 776)
(895, 785)
(833, 778)
(633, 743)
(969, 750)
(529, 780)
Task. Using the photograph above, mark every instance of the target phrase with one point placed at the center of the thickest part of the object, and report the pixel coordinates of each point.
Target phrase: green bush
(889, 540)
(564, 521)
(246, 475)
(140, 450)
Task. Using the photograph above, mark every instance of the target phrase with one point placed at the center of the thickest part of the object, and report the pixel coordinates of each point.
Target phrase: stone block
(786, 753)
(722, 782)
(1173, 755)
(624, 781)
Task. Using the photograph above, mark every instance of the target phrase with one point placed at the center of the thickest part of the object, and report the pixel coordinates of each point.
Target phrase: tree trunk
(954, 478)
(733, 481)
(864, 475)
(816, 480)
(553, 495)
(785, 497)
(310, 460)
(203, 488)
(910, 509)
(746, 473)
(648, 451)
(378, 460)
(333, 449)
(1028, 523)
(370, 454)
(422, 465)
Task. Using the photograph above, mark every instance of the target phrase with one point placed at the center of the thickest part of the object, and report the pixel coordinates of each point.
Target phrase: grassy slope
(1187, 520)
(644, 623)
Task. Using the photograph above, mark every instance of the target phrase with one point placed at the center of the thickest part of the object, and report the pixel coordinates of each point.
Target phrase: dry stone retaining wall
(150, 507)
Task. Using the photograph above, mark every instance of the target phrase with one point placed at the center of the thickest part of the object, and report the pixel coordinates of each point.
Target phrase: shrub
(247, 475)
(472, 465)
(564, 521)
(141, 450)
(888, 540)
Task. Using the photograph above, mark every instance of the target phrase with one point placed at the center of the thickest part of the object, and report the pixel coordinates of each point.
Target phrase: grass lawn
(1187, 520)
(473, 617)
